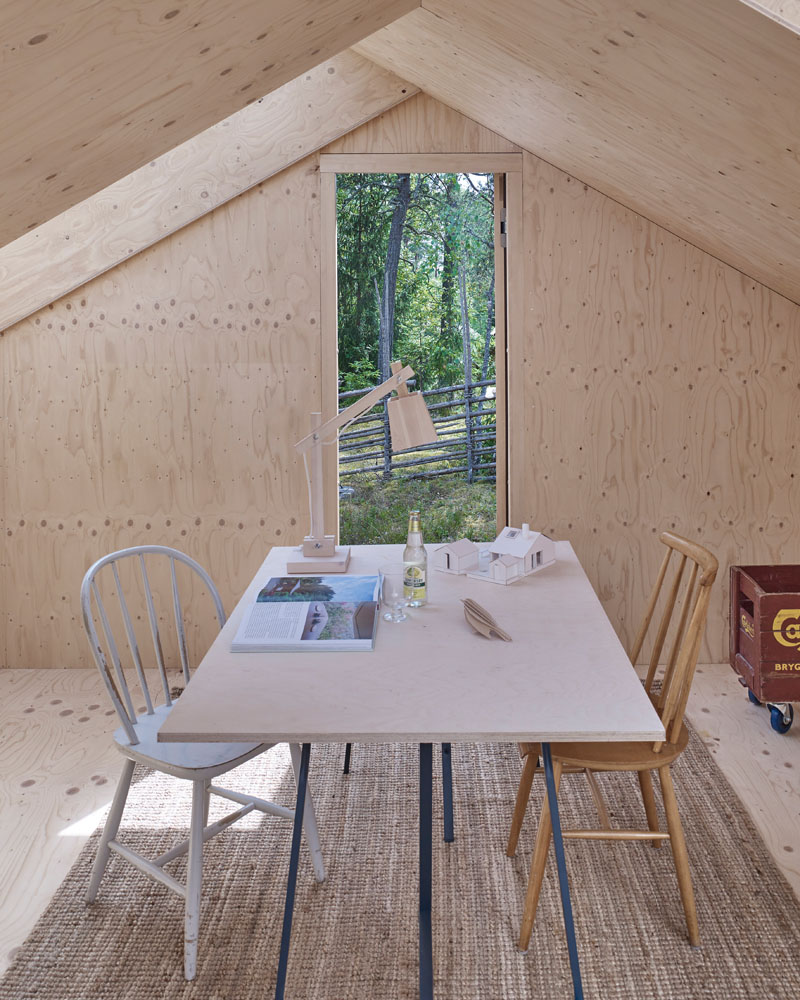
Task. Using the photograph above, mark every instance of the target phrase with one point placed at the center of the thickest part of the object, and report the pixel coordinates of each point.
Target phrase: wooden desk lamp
(411, 427)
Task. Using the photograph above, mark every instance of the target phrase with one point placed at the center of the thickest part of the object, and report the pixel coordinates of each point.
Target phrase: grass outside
(449, 507)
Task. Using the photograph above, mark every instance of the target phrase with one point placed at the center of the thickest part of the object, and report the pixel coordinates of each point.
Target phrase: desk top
(431, 678)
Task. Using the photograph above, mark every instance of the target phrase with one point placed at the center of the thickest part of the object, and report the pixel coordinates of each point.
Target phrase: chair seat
(183, 760)
(620, 756)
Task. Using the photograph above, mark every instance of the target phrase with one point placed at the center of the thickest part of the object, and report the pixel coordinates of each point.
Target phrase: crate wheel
(781, 722)
(752, 697)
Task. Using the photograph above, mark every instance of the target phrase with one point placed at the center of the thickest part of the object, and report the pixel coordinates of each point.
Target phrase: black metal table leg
(447, 792)
(425, 870)
(302, 782)
(347, 749)
(561, 864)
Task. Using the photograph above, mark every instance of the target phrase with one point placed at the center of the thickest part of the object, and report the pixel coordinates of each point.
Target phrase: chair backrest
(118, 600)
(690, 592)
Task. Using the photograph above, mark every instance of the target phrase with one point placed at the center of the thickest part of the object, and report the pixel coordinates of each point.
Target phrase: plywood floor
(58, 770)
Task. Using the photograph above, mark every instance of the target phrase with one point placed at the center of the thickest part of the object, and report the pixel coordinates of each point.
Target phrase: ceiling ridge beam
(192, 180)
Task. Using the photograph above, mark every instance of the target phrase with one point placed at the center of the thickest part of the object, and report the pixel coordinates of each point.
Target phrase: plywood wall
(658, 388)
(661, 390)
(421, 125)
(159, 404)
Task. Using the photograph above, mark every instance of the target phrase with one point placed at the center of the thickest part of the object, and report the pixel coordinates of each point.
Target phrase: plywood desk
(431, 679)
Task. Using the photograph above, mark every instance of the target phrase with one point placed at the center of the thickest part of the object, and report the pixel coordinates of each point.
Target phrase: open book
(311, 612)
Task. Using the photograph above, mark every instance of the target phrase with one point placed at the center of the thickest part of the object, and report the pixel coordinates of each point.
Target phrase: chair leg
(110, 830)
(347, 749)
(649, 799)
(544, 835)
(206, 803)
(194, 881)
(680, 854)
(523, 794)
(309, 818)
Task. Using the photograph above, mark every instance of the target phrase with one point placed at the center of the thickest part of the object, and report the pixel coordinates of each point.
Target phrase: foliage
(416, 277)
(363, 374)
(451, 509)
(449, 225)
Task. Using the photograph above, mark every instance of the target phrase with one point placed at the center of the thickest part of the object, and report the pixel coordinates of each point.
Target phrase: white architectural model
(517, 552)
(456, 557)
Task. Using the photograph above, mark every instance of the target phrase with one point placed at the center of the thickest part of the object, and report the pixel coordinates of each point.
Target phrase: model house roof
(516, 542)
(507, 560)
(462, 547)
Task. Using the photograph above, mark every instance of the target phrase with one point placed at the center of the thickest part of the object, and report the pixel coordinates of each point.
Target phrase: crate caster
(781, 717)
(752, 697)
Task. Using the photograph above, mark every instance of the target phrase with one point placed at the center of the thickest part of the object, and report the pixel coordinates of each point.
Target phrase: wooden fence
(465, 420)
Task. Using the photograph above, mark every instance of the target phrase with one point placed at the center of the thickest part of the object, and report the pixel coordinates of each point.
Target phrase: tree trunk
(467, 348)
(386, 299)
(487, 343)
(448, 322)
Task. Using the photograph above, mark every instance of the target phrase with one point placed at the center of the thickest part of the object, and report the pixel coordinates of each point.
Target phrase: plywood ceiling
(786, 11)
(193, 179)
(90, 90)
(686, 112)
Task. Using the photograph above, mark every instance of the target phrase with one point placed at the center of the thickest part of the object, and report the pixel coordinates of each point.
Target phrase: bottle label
(414, 583)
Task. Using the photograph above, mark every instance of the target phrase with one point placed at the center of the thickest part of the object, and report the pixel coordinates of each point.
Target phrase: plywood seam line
(165, 195)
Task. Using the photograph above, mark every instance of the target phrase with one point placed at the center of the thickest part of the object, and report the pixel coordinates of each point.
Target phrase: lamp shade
(409, 422)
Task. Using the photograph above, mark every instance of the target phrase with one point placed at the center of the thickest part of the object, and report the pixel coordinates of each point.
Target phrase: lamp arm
(324, 431)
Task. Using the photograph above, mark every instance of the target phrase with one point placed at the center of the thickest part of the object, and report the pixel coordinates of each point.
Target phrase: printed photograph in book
(338, 607)
(328, 609)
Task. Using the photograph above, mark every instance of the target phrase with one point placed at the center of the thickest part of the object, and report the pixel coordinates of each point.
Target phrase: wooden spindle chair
(689, 592)
(118, 601)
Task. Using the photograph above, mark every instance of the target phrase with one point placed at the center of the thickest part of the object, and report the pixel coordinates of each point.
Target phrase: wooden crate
(765, 630)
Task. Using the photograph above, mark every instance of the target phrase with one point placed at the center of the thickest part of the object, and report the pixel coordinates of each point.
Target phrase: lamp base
(336, 563)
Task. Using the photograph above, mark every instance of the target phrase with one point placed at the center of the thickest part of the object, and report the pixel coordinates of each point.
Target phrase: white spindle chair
(124, 579)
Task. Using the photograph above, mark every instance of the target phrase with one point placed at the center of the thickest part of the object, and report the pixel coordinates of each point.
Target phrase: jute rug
(355, 936)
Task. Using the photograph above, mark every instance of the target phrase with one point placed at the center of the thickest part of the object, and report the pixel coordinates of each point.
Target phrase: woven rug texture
(355, 935)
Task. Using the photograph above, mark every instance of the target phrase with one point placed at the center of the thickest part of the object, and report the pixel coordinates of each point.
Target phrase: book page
(276, 621)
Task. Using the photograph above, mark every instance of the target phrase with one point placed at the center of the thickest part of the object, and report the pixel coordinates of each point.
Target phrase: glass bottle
(415, 565)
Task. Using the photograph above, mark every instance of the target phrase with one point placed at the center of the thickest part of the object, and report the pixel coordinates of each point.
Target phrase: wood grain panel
(684, 112)
(661, 390)
(95, 91)
(760, 765)
(192, 180)
(422, 125)
(159, 403)
(58, 766)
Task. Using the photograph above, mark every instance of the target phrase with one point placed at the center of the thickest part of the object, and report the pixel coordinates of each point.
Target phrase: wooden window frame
(507, 168)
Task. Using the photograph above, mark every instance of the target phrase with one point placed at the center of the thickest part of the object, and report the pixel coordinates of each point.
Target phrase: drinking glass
(392, 595)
